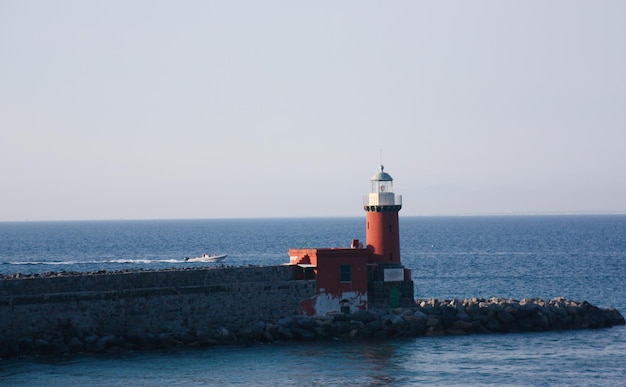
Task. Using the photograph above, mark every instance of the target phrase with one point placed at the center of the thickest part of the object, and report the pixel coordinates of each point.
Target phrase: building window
(346, 273)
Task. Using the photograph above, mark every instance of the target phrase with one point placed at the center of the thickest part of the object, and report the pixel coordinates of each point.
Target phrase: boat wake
(92, 262)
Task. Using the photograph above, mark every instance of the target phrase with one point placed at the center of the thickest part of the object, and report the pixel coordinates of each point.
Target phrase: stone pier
(113, 312)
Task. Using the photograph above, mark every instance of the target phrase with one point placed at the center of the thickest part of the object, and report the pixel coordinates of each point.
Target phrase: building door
(394, 297)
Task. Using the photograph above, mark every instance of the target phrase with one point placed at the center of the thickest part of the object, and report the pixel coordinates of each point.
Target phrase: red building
(358, 278)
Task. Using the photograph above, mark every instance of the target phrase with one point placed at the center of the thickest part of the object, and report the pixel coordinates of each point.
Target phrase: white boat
(207, 258)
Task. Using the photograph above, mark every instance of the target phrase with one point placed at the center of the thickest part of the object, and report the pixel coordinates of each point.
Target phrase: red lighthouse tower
(357, 278)
(382, 231)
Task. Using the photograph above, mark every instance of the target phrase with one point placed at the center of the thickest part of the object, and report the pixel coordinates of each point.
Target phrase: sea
(573, 256)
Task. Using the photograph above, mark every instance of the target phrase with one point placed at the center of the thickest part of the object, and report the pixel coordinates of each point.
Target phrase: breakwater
(93, 312)
(136, 310)
(438, 318)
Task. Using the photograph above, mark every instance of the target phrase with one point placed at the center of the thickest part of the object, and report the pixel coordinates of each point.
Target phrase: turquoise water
(578, 257)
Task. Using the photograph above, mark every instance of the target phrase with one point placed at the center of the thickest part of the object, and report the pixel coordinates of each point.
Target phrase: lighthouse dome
(382, 175)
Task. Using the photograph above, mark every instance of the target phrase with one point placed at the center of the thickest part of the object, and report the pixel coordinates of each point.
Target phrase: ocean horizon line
(434, 215)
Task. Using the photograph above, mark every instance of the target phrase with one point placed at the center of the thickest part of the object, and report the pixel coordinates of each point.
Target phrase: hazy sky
(219, 109)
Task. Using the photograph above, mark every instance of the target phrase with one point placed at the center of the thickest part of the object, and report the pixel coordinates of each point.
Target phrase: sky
(252, 109)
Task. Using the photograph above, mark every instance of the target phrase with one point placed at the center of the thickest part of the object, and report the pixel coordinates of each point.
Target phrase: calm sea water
(578, 257)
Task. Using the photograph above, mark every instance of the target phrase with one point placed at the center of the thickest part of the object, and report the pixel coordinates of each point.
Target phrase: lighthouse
(349, 279)
(382, 232)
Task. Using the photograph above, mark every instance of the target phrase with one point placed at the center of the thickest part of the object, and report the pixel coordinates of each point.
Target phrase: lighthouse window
(345, 273)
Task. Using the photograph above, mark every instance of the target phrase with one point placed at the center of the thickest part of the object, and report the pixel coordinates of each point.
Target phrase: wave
(114, 261)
